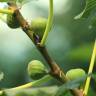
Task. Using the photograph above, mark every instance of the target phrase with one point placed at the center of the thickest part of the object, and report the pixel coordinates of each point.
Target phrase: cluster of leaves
(50, 91)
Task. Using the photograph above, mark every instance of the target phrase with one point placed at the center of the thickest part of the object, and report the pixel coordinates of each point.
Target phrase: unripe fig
(12, 21)
(38, 26)
(75, 74)
(36, 69)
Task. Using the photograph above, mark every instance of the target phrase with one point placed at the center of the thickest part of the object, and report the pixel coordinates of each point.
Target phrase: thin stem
(31, 84)
(90, 70)
(6, 11)
(49, 23)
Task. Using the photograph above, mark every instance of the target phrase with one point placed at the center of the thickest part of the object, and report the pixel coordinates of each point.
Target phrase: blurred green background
(70, 42)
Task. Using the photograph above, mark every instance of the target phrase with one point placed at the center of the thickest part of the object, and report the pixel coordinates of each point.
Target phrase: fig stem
(31, 84)
(49, 23)
(92, 62)
(6, 11)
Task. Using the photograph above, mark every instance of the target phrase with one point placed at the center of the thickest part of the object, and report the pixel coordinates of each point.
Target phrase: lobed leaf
(89, 7)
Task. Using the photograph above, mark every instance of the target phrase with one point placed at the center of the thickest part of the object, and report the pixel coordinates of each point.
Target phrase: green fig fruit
(36, 69)
(12, 21)
(75, 74)
(38, 26)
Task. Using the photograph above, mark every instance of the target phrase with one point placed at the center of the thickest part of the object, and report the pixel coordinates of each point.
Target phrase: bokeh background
(70, 42)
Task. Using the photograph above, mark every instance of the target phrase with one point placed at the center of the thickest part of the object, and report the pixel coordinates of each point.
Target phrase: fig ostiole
(38, 26)
(12, 21)
(36, 69)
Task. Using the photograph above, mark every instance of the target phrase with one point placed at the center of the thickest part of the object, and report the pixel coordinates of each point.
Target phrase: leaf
(89, 7)
(71, 85)
(40, 91)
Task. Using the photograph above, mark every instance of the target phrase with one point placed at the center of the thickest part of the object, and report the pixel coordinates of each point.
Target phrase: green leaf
(39, 91)
(89, 7)
(71, 85)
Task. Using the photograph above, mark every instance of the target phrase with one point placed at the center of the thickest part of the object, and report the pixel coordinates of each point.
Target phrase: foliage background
(70, 41)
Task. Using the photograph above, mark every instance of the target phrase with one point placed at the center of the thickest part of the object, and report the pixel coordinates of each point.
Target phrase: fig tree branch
(55, 71)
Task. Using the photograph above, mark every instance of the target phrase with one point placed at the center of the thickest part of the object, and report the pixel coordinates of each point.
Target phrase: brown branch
(56, 71)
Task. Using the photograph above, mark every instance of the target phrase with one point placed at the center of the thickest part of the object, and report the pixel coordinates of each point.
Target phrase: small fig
(12, 21)
(75, 74)
(36, 69)
(38, 26)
